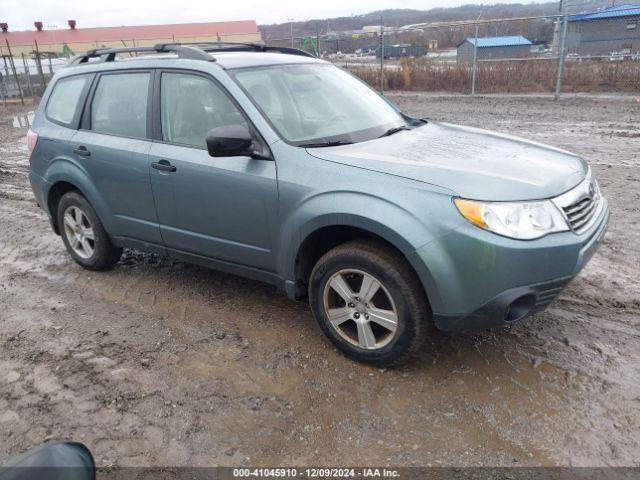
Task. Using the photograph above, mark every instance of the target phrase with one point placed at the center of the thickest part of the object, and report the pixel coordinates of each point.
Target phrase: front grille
(581, 205)
(580, 213)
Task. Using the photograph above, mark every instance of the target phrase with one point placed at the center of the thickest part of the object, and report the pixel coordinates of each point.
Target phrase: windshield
(318, 103)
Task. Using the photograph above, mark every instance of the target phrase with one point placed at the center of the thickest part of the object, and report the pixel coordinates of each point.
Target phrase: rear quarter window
(63, 102)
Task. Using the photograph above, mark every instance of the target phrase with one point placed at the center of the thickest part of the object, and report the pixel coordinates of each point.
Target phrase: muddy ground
(162, 363)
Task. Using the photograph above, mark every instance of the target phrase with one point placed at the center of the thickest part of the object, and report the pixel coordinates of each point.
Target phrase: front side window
(191, 106)
(309, 103)
(120, 105)
(63, 103)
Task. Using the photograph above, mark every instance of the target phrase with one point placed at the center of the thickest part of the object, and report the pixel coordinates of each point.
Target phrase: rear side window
(63, 102)
(119, 105)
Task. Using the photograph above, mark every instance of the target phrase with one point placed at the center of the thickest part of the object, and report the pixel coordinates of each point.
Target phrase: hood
(473, 163)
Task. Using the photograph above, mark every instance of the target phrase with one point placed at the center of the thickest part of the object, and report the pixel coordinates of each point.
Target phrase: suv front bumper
(475, 264)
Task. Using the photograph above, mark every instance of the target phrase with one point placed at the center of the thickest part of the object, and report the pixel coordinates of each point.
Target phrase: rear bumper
(514, 304)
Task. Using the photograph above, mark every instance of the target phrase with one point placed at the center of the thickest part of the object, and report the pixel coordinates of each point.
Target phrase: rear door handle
(82, 151)
(164, 166)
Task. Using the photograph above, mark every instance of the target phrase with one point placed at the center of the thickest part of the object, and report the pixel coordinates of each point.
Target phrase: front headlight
(521, 220)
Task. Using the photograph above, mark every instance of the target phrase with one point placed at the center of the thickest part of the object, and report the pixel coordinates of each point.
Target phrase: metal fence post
(15, 73)
(562, 53)
(381, 57)
(6, 68)
(3, 91)
(474, 69)
(27, 74)
(43, 84)
(291, 27)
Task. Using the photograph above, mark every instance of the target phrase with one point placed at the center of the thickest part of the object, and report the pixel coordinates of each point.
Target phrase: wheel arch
(64, 176)
(321, 236)
(56, 193)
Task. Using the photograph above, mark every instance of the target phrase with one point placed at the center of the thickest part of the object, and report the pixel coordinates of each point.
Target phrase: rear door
(56, 130)
(219, 207)
(113, 145)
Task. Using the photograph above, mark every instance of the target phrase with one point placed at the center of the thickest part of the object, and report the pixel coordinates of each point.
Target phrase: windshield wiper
(393, 130)
(333, 143)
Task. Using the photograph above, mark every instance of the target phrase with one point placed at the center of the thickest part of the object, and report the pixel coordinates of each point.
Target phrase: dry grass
(511, 76)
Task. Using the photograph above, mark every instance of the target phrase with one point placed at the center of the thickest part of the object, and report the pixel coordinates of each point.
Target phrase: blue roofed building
(494, 48)
(603, 32)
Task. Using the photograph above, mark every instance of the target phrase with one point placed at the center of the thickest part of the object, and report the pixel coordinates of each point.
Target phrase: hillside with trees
(539, 30)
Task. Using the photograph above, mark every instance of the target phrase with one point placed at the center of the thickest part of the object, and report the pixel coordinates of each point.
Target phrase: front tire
(83, 234)
(369, 302)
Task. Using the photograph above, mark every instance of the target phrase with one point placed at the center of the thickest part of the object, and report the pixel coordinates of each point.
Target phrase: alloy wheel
(360, 309)
(79, 232)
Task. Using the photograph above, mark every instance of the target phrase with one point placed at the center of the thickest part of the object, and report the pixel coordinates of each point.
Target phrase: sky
(20, 14)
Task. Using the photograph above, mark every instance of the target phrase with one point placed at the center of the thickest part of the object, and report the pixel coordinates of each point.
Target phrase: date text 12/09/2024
(316, 473)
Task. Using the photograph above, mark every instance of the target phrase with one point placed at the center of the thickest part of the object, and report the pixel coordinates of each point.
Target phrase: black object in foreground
(51, 461)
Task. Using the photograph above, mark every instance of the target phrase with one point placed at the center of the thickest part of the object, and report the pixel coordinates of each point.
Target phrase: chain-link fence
(554, 54)
(26, 75)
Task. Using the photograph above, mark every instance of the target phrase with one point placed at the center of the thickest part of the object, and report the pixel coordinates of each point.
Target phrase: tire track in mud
(191, 315)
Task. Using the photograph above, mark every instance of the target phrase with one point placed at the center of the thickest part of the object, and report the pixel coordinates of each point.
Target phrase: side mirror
(230, 141)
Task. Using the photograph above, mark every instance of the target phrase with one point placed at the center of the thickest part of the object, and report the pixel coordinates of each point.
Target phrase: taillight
(32, 139)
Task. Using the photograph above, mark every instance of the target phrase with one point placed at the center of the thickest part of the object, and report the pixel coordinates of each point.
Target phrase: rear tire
(83, 234)
(369, 302)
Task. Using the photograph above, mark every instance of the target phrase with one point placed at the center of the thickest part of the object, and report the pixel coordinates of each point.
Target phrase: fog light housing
(519, 308)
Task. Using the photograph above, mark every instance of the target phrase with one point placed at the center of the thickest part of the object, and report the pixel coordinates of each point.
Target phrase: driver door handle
(164, 166)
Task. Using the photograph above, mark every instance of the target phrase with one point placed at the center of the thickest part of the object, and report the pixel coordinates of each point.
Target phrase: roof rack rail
(193, 51)
(109, 54)
(242, 47)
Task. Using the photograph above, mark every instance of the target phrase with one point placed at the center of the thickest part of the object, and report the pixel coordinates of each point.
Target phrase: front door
(221, 208)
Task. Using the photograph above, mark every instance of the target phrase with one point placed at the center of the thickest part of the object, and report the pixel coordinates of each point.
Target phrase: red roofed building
(79, 39)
